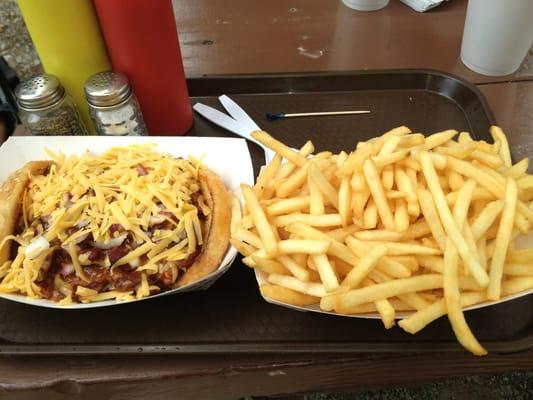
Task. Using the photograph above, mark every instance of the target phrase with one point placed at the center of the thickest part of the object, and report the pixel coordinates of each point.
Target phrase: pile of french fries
(405, 222)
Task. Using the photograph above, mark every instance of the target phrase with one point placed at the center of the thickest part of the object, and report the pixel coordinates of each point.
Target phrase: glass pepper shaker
(46, 109)
(113, 106)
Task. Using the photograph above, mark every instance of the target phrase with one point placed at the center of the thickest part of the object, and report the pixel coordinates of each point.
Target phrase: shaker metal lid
(106, 89)
(41, 91)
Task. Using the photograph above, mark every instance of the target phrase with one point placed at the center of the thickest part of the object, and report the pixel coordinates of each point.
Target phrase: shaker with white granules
(113, 106)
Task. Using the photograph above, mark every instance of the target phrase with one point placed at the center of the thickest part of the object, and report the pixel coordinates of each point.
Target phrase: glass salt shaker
(46, 109)
(113, 106)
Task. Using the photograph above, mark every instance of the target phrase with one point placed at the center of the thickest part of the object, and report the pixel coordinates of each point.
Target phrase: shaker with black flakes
(46, 109)
(113, 106)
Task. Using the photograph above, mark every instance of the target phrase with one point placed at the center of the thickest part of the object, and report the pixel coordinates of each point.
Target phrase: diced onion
(36, 247)
(112, 243)
(156, 219)
(135, 262)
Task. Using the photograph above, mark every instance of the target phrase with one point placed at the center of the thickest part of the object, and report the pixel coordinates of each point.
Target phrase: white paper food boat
(228, 157)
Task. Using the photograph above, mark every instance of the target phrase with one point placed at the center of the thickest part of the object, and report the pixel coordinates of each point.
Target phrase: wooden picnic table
(244, 37)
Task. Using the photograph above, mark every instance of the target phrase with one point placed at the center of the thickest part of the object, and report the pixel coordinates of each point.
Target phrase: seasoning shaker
(113, 106)
(45, 108)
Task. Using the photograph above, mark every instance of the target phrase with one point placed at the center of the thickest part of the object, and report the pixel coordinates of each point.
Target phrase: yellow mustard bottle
(67, 37)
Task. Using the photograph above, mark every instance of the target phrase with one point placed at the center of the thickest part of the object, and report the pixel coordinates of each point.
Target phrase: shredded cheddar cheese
(107, 226)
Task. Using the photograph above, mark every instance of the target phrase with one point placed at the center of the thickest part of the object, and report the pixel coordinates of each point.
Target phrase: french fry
(294, 268)
(260, 220)
(360, 200)
(382, 161)
(393, 268)
(287, 168)
(363, 267)
(449, 224)
(243, 248)
(391, 288)
(499, 136)
(336, 248)
(387, 177)
(418, 229)
(306, 246)
(378, 194)
(404, 184)
(285, 295)
(526, 182)
(502, 240)
(419, 320)
(431, 217)
(413, 300)
(279, 147)
(401, 217)
(324, 220)
(326, 188)
(439, 138)
(289, 282)
(402, 248)
(378, 234)
(390, 145)
(412, 140)
(523, 256)
(355, 159)
(267, 174)
(452, 296)
(370, 216)
(386, 312)
(236, 214)
(394, 194)
(465, 139)
(488, 182)
(455, 180)
(481, 245)
(343, 156)
(486, 218)
(340, 234)
(366, 308)
(293, 182)
(316, 199)
(358, 182)
(248, 237)
(517, 285)
(518, 269)
(266, 265)
(411, 163)
(410, 262)
(290, 205)
(247, 222)
(326, 272)
(489, 159)
(438, 161)
(345, 201)
(457, 152)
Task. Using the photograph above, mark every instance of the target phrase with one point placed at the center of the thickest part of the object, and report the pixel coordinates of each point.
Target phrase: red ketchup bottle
(142, 42)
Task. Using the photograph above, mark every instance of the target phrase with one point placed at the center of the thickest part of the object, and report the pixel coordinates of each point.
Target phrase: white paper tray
(228, 157)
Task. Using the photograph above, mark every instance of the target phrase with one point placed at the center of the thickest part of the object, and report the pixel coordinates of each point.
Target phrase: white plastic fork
(238, 121)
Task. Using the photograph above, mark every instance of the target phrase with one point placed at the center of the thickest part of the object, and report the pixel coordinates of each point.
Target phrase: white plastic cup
(365, 5)
(497, 35)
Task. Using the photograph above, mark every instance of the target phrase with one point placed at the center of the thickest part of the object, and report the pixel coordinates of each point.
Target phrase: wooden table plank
(317, 35)
(235, 376)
